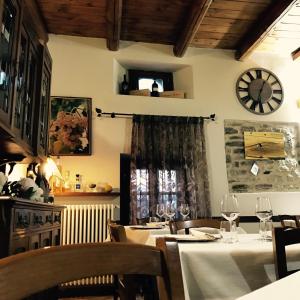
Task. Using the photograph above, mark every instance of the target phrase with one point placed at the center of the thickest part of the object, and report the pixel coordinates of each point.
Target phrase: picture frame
(264, 145)
(70, 126)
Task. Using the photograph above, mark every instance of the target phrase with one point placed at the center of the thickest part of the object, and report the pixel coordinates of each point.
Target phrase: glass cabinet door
(30, 95)
(44, 109)
(21, 88)
(9, 27)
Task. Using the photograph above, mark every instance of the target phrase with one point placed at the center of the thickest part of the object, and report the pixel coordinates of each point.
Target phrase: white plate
(145, 227)
(191, 238)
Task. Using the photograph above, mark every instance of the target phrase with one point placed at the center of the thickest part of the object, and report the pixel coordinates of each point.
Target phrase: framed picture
(70, 126)
(264, 145)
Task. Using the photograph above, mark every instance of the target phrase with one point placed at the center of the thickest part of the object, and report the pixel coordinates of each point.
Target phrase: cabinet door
(21, 84)
(19, 245)
(42, 105)
(46, 239)
(34, 242)
(10, 19)
(30, 95)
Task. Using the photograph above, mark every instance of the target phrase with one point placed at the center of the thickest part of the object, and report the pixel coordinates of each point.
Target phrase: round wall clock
(259, 91)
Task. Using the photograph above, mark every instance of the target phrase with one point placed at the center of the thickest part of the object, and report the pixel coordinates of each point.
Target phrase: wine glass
(170, 210)
(160, 210)
(230, 208)
(184, 210)
(263, 211)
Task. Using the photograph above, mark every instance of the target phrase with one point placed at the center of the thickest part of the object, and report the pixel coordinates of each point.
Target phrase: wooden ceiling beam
(262, 27)
(35, 16)
(114, 23)
(199, 10)
(296, 54)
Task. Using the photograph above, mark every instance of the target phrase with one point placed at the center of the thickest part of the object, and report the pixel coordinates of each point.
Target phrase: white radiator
(86, 223)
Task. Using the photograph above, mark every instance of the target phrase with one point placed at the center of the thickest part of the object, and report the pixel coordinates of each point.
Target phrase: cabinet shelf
(87, 194)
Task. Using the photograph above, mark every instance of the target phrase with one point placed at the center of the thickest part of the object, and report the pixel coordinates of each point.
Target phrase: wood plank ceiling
(242, 25)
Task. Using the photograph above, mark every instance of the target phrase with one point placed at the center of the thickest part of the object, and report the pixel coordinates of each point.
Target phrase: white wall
(84, 67)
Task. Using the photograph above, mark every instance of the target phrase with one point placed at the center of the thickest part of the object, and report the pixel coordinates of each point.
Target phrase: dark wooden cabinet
(27, 225)
(40, 136)
(9, 21)
(25, 78)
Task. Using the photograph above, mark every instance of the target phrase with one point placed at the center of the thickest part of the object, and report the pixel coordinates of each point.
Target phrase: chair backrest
(34, 271)
(117, 232)
(283, 237)
(289, 220)
(178, 225)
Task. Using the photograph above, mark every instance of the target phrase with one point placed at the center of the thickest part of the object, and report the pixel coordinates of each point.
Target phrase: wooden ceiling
(241, 25)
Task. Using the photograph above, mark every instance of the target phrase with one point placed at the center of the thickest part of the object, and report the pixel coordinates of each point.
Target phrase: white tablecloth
(219, 271)
(286, 288)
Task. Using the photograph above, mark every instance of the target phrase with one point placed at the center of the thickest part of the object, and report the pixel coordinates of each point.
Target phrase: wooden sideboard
(27, 225)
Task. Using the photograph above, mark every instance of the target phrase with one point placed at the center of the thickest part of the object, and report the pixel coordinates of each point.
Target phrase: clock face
(259, 91)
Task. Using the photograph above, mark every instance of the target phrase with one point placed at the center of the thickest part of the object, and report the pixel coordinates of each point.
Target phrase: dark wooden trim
(198, 11)
(295, 54)
(36, 18)
(259, 31)
(114, 23)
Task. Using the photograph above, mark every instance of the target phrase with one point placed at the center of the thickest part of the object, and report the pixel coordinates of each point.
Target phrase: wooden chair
(289, 221)
(143, 284)
(178, 225)
(35, 271)
(283, 237)
(117, 232)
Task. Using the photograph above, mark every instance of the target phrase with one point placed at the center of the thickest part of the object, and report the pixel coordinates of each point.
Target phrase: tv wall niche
(261, 175)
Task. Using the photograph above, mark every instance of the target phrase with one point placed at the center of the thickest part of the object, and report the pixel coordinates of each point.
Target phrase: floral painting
(69, 128)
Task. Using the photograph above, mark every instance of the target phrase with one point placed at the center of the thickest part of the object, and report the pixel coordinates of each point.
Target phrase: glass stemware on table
(160, 210)
(263, 211)
(170, 210)
(184, 210)
(230, 209)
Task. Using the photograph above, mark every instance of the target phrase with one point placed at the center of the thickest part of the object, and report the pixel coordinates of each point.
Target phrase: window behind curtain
(167, 190)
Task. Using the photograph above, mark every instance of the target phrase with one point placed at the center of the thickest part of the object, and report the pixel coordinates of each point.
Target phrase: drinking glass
(170, 210)
(230, 208)
(263, 211)
(184, 210)
(160, 210)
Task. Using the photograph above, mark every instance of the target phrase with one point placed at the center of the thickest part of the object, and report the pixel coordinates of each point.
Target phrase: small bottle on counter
(78, 183)
(67, 184)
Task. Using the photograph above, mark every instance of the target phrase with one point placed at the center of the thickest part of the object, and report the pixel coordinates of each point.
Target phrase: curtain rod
(100, 113)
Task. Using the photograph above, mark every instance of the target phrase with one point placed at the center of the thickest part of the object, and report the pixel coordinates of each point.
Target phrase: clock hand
(262, 87)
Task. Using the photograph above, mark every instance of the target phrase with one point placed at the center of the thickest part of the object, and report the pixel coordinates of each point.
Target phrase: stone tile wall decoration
(274, 175)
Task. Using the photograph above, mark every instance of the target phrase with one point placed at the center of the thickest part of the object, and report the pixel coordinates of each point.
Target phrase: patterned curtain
(168, 163)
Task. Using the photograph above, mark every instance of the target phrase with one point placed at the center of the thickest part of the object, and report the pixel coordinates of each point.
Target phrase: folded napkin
(202, 235)
(156, 224)
(210, 230)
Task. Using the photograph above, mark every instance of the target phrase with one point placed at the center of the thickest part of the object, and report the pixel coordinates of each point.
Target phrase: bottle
(58, 184)
(78, 183)
(124, 89)
(67, 184)
(154, 92)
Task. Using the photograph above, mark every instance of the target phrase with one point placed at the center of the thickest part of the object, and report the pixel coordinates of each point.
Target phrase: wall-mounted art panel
(264, 145)
(261, 175)
(70, 126)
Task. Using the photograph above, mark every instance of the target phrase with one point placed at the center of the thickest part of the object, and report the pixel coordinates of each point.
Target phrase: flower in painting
(68, 131)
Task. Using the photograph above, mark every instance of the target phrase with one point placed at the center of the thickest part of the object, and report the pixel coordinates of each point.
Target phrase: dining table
(285, 288)
(215, 270)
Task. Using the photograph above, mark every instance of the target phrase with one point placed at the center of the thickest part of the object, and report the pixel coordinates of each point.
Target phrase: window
(167, 186)
(139, 79)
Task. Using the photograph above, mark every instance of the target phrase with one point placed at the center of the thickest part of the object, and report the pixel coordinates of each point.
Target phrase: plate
(191, 238)
(145, 227)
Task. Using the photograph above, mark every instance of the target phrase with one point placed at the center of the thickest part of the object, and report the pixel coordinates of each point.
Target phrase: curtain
(168, 163)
